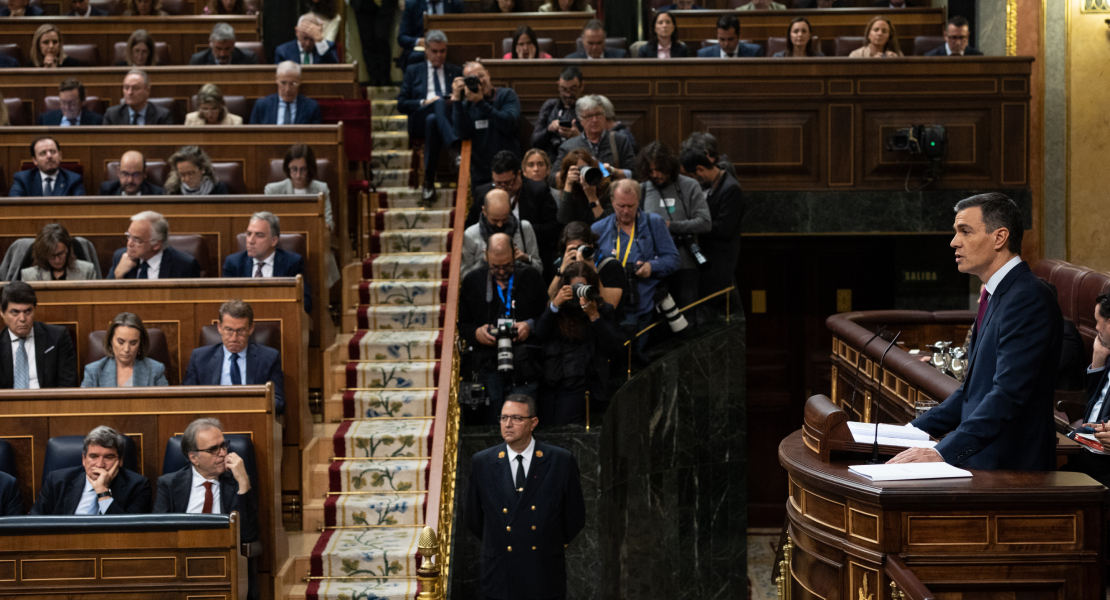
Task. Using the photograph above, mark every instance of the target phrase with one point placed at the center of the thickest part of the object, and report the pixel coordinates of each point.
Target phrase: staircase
(368, 470)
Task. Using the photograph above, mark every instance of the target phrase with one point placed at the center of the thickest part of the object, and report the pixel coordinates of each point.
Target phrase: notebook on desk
(909, 471)
(903, 436)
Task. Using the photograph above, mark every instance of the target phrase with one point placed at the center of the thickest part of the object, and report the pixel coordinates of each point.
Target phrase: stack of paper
(907, 471)
(904, 436)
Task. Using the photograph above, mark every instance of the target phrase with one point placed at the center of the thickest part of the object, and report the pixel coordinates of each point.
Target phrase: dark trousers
(374, 27)
(433, 123)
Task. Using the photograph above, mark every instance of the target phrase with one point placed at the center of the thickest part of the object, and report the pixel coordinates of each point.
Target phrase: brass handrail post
(895, 593)
(587, 410)
(783, 581)
(428, 573)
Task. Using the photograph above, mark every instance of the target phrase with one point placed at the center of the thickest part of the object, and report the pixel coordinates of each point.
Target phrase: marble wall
(674, 476)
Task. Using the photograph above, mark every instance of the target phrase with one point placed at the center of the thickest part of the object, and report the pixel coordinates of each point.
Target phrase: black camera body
(928, 140)
(632, 297)
(691, 242)
(587, 291)
(567, 124)
(505, 333)
(473, 394)
(472, 83)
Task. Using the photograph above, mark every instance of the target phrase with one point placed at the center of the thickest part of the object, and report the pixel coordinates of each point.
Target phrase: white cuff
(322, 47)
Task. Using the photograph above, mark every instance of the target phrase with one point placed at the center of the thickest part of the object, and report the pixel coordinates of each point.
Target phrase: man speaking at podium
(1001, 416)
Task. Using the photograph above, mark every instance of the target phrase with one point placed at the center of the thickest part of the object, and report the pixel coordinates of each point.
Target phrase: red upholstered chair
(155, 171)
(114, 8)
(87, 54)
(17, 112)
(546, 45)
(161, 50)
(236, 105)
(924, 44)
(231, 173)
(174, 7)
(14, 51)
(845, 44)
(290, 242)
(91, 104)
(779, 44)
(195, 246)
(266, 333)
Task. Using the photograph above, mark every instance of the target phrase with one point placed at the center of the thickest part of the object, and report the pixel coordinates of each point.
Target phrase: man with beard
(132, 178)
(48, 179)
(497, 217)
(502, 293)
(551, 131)
(721, 244)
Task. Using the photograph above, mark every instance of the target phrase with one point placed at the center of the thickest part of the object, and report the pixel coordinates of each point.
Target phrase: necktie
(207, 509)
(519, 472)
(22, 371)
(984, 299)
(236, 377)
(258, 269)
(134, 118)
(305, 58)
(288, 113)
(435, 78)
(49, 187)
(95, 508)
(142, 270)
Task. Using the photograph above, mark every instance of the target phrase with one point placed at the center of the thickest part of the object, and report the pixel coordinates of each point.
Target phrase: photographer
(642, 244)
(581, 200)
(502, 296)
(487, 115)
(726, 210)
(497, 217)
(579, 334)
(579, 242)
(681, 202)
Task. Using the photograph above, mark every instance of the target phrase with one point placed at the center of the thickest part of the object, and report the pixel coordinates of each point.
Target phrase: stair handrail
(445, 434)
(904, 585)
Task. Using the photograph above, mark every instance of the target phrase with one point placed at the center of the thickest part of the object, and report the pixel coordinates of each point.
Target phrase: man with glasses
(71, 95)
(135, 109)
(556, 122)
(609, 148)
(263, 257)
(955, 40)
(33, 355)
(147, 256)
(498, 293)
(288, 106)
(100, 486)
(216, 482)
(237, 360)
(132, 178)
(497, 217)
(525, 504)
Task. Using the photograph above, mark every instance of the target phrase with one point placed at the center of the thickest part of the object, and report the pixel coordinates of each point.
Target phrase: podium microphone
(859, 361)
(875, 445)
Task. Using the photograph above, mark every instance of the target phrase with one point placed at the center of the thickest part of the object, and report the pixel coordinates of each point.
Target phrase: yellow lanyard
(631, 237)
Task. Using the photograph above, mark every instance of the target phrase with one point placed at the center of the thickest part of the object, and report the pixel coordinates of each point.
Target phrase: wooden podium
(998, 534)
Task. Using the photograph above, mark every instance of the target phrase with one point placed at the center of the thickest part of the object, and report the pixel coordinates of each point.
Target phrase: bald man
(497, 217)
(132, 178)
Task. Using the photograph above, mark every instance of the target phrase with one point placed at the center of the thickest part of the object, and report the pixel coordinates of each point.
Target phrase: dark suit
(291, 50)
(113, 188)
(29, 183)
(238, 57)
(1001, 415)
(743, 50)
(265, 111)
(93, 12)
(263, 364)
(609, 53)
(61, 493)
(549, 141)
(53, 118)
(412, 25)
(524, 533)
(414, 89)
(11, 504)
(942, 50)
(721, 244)
(651, 50)
(7, 62)
(173, 497)
(29, 11)
(175, 265)
(286, 264)
(55, 358)
(152, 115)
(537, 206)
(1095, 465)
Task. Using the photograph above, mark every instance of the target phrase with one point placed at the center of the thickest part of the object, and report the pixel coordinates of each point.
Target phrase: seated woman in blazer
(300, 178)
(212, 109)
(126, 365)
(191, 174)
(53, 258)
(663, 42)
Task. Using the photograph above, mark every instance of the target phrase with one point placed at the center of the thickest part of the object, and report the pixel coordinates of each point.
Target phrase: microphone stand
(859, 361)
(875, 445)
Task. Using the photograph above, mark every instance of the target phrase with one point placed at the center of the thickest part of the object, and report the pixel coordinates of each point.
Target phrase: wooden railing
(904, 585)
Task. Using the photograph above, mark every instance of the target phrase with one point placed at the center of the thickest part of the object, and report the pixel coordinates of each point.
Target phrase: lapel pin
(500, 455)
(539, 453)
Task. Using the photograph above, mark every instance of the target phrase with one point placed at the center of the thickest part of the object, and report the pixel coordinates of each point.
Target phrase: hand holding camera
(472, 88)
(643, 269)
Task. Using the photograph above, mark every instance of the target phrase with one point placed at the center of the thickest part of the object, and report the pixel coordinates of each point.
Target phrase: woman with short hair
(53, 259)
(211, 109)
(125, 364)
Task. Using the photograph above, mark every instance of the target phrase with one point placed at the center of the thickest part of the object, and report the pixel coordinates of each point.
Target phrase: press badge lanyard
(631, 236)
(507, 296)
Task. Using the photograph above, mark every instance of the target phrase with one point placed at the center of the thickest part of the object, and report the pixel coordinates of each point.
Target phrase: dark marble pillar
(673, 509)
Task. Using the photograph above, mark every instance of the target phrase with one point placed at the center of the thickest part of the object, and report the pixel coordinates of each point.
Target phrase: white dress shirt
(154, 265)
(948, 50)
(88, 499)
(1097, 409)
(436, 72)
(225, 371)
(267, 265)
(44, 176)
(29, 348)
(435, 7)
(66, 122)
(196, 494)
(727, 55)
(527, 454)
(992, 283)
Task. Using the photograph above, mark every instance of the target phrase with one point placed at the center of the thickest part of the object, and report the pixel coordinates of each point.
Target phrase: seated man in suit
(237, 361)
(549, 134)
(1098, 409)
(263, 258)
(955, 40)
(529, 201)
(762, 5)
(147, 256)
(48, 178)
(310, 47)
(135, 109)
(132, 178)
(11, 505)
(84, 8)
(35, 355)
(21, 8)
(411, 33)
(221, 49)
(593, 43)
(7, 62)
(728, 42)
(425, 97)
(217, 483)
(71, 94)
(287, 107)
(100, 486)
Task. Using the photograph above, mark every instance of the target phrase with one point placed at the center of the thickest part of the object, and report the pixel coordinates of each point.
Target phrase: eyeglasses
(233, 332)
(592, 116)
(130, 175)
(59, 254)
(504, 185)
(134, 238)
(517, 419)
(957, 38)
(501, 268)
(215, 450)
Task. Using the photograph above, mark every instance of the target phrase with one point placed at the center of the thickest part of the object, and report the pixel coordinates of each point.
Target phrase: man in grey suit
(135, 109)
(593, 43)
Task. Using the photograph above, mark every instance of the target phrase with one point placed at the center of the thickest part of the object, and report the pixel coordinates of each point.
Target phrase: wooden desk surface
(184, 34)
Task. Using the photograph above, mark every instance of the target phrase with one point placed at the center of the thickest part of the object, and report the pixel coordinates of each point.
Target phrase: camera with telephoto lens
(587, 291)
(666, 306)
(590, 175)
(505, 334)
(691, 243)
(472, 83)
(585, 252)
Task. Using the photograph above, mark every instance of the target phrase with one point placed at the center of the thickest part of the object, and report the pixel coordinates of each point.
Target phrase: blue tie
(236, 377)
(142, 270)
(288, 113)
(22, 372)
(435, 78)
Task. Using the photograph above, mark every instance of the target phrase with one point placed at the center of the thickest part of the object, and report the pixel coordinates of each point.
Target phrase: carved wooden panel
(1015, 135)
(766, 145)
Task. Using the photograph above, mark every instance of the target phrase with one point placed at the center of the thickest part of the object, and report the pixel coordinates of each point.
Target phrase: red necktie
(984, 299)
(207, 498)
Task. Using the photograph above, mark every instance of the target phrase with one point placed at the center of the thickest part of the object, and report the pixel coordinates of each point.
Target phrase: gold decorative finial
(428, 545)
(428, 573)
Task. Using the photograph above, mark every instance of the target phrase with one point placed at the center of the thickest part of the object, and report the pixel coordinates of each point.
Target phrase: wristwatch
(595, 204)
(104, 494)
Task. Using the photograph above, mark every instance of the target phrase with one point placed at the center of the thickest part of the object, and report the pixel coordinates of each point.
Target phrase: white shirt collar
(43, 176)
(198, 479)
(999, 275)
(948, 50)
(268, 261)
(15, 338)
(155, 261)
(527, 452)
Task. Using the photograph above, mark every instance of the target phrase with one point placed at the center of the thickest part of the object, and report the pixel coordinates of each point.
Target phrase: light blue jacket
(653, 244)
(102, 373)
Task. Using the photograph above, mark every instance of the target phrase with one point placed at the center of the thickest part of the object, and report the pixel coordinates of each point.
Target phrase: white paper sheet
(908, 471)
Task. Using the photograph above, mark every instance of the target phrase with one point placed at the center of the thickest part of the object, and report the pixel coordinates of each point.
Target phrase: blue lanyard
(507, 296)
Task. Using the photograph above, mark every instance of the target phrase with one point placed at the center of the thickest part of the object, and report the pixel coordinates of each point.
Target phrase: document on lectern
(904, 436)
(908, 471)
